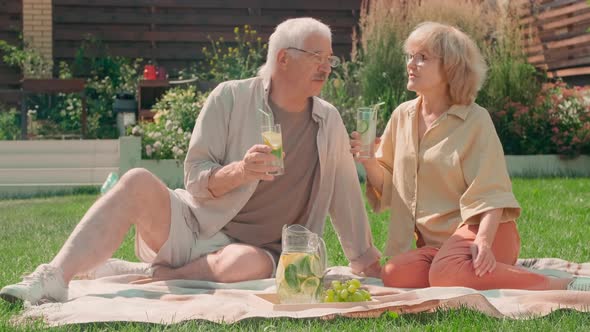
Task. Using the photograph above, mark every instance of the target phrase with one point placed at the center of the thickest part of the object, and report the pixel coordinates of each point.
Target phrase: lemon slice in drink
(310, 285)
(363, 126)
(272, 139)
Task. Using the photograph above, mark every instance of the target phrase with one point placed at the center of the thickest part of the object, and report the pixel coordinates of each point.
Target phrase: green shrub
(343, 91)
(31, 62)
(106, 75)
(558, 121)
(234, 60)
(9, 124)
(168, 136)
(383, 76)
(510, 76)
(569, 117)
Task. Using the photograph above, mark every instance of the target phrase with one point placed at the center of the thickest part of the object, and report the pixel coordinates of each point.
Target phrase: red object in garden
(149, 72)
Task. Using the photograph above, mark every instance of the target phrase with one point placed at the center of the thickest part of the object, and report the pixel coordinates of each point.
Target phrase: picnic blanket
(166, 302)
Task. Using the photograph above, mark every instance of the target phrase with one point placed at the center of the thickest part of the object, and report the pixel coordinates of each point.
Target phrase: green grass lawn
(555, 223)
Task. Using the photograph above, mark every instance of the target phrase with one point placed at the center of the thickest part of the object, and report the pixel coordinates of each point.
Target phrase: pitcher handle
(323, 254)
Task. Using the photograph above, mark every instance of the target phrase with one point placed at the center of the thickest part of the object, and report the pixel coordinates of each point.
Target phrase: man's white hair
(291, 33)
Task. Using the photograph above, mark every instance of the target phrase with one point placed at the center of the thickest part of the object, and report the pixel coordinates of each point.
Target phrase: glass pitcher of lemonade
(303, 261)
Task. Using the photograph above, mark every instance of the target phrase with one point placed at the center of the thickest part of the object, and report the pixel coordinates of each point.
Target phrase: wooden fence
(173, 32)
(556, 35)
(10, 28)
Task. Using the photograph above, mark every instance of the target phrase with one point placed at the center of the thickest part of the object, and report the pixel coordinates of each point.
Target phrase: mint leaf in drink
(304, 266)
(291, 276)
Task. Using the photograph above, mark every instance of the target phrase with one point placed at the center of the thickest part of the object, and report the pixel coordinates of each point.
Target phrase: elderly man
(226, 226)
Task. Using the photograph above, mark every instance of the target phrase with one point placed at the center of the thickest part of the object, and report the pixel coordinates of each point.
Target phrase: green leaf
(304, 266)
(291, 276)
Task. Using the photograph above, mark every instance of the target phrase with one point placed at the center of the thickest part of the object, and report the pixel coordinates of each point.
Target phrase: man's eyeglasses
(333, 60)
(419, 58)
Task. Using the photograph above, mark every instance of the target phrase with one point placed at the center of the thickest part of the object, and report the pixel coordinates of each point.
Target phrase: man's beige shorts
(182, 245)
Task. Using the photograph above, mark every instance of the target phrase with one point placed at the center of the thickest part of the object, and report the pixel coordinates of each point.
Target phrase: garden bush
(105, 75)
(232, 60)
(343, 91)
(60, 115)
(9, 123)
(30, 61)
(169, 135)
(557, 122)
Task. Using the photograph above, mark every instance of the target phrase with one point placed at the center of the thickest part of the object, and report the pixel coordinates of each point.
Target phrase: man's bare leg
(140, 199)
(233, 263)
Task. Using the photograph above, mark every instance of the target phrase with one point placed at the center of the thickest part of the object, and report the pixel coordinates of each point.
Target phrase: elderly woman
(440, 169)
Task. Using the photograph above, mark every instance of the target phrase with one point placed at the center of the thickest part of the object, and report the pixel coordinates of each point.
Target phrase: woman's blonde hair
(462, 62)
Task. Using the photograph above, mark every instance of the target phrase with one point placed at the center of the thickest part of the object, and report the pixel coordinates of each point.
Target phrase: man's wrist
(227, 178)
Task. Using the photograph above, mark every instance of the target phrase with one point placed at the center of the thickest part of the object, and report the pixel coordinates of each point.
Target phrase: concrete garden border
(171, 171)
(29, 168)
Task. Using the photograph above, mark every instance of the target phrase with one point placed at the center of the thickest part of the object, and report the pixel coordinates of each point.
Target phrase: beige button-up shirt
(456, 172)
(229, 124)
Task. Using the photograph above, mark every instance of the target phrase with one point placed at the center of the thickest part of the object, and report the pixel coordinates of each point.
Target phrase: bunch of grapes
(349, 291)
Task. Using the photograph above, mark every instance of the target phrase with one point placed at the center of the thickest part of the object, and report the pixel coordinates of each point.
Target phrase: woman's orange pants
(452, 264)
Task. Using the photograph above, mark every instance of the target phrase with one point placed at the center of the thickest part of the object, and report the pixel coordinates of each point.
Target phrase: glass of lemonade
(366, 126)
(271, 136)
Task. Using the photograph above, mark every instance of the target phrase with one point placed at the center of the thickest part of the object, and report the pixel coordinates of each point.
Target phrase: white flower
(136, 131)
(148, 150)
(180, 131)
(168, 125)
(157, 145)
(177, 152)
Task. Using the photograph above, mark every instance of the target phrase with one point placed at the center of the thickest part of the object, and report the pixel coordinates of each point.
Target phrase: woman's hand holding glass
(356, 144)
(372, 168)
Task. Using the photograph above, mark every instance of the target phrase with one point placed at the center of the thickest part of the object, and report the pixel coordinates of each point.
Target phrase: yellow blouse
(454, 174)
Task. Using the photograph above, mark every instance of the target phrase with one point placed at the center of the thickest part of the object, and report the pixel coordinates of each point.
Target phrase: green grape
(365, 294)
(346, 291)
(343, 295)
(329, 297)
(357, 297)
